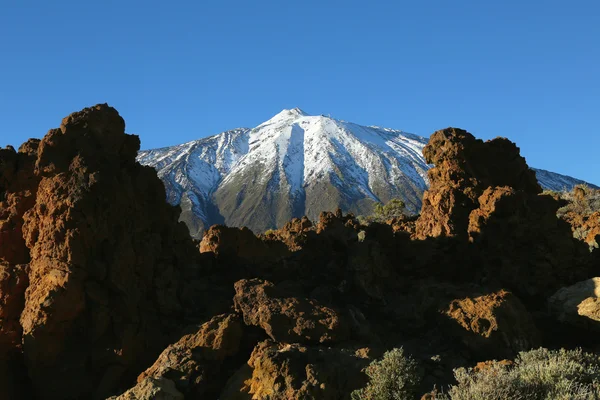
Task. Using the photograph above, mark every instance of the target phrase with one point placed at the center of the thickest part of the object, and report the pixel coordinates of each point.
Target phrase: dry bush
(581, 200)
(394, 377)
(536, 375)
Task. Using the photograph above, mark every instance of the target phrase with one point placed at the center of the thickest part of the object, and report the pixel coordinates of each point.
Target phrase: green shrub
(395, 208)
(536, 375)
(395, 377)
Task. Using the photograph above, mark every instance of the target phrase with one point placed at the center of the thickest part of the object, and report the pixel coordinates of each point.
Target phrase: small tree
(395, 377)
(394, 208)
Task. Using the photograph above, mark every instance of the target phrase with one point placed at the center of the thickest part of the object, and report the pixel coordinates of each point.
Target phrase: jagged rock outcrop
(192, 365)
(484, 193)
(18, 185)
(464, 168)
(292, 371)
(105, 257)
(293, 235)
(288, 319)
(242, 243)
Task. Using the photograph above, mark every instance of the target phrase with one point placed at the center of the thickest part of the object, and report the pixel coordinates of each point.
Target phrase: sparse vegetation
(395, 208)
(582, 200)
(394, 377)
(582, 211)
(540, 374)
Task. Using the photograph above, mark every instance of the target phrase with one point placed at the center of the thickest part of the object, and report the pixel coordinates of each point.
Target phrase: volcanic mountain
(296, 164)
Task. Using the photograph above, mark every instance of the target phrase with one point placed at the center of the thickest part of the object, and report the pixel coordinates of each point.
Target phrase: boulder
(193, 363)
(578, 304)
(495, 325)
(293, 371)
(288, 319)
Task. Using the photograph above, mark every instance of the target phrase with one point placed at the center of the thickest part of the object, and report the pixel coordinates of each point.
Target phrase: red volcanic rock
(106, 257)
(292, 371)
(585, 227)
(287, 319)
(232, 242)
(193, 363)
(464, 168)
(18, 186)
(526, 247)
(494, 325)
(294, 235)
(337, 225)
(13, 282)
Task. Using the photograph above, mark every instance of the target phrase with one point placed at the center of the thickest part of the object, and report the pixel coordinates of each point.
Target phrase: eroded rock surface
(288, 319)
(192, 364)
(106, 257)
(496, 323)
(578, 304)
(464, 168)
(292, 371)
(152, 389)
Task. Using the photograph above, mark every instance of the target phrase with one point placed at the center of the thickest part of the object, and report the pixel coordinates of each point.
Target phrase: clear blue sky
(181, 70)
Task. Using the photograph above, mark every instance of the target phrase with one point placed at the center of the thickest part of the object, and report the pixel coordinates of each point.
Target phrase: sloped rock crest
(102, 292)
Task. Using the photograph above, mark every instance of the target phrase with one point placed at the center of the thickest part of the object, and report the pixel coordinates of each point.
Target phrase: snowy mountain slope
(192, 171)
(557, 182)
(292, 165)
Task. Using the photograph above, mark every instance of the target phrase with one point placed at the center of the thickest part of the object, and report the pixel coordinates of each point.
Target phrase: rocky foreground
(103, 293)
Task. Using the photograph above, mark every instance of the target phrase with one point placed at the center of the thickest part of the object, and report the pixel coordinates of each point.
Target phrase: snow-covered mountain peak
(285, 116)
(297, 111)
(292, 165)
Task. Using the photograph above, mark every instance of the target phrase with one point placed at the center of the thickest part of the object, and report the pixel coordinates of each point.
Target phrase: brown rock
(18, 186)
(228, 241)
(495, 325)
(294, 235)
(578, 304)
(13, 282)
(106, 257)
(464, 168)
(526, 247)
(585, 227)
(151, 389)
(193, 362)
(338, 226)
(292, 371)
(287, 319)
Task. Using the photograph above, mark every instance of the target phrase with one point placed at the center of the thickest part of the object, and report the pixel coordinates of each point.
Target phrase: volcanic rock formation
(93, 258)
(100, 285)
